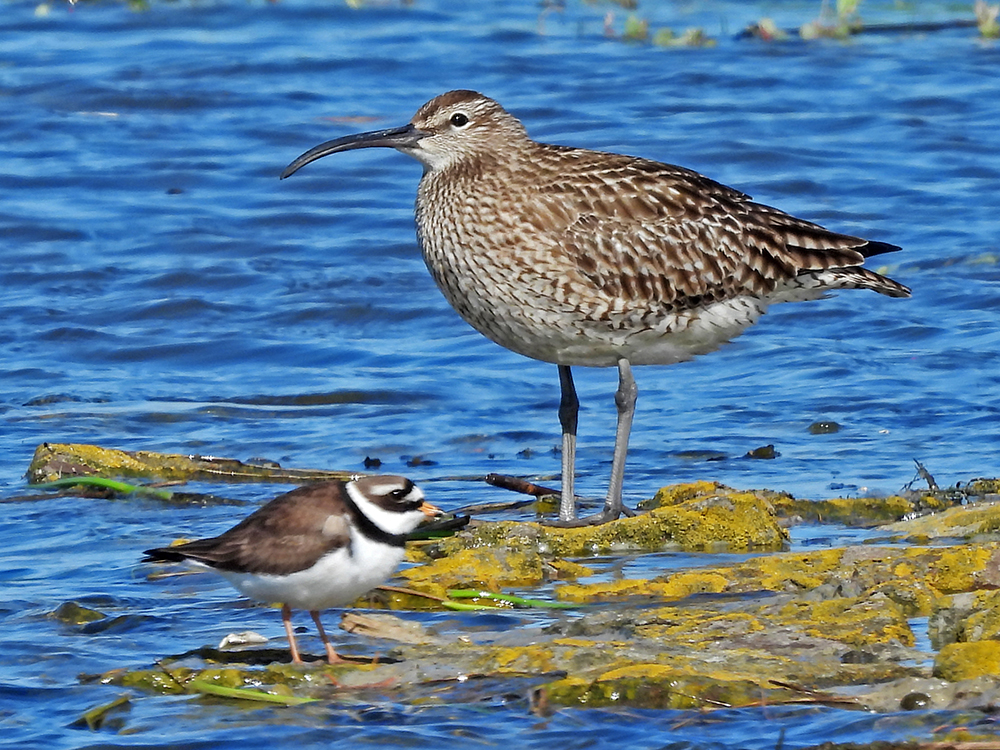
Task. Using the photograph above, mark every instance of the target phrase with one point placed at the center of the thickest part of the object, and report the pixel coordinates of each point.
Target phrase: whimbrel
(579, 257)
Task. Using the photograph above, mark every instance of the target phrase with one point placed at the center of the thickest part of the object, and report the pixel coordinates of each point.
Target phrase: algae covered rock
(776, 627)
(696, 516)
(54, 461)
(962, 661)
(76, 614)
(974, 521)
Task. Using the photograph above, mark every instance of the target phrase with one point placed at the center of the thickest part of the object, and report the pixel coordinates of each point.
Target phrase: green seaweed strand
(517, 601)
(104, 483)
(248, 694)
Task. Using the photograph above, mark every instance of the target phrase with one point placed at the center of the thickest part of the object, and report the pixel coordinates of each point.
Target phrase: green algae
(155, 680)
(103, 715)
(247, 694)
(103, 483)
(282, 681)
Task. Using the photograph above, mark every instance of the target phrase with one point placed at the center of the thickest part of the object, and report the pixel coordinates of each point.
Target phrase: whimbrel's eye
(459, 120)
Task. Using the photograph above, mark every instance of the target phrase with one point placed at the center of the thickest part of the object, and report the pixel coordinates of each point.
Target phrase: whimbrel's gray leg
(569, 408)
(625, 398)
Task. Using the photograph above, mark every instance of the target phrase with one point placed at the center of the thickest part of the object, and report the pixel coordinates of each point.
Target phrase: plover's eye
(401, 493)
(459, 120)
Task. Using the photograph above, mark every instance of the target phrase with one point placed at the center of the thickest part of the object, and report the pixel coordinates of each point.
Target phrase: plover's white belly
(336, 580)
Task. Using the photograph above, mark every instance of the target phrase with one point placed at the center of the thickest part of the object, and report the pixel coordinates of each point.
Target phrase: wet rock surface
(834, 626)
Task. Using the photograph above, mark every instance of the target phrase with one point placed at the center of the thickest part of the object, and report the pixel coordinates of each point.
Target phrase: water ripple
(163, 290)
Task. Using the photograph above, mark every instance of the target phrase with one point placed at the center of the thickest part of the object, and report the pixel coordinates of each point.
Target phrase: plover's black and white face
(394, 504)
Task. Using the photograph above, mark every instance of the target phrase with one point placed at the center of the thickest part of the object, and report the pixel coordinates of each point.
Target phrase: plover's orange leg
(332, 657)
(286, 618)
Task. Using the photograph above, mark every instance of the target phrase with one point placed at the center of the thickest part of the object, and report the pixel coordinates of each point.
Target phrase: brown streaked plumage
(319, 546)
(581, 257)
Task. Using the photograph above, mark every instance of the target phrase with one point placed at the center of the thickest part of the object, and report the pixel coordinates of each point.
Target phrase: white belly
(338, 579)
(642, 339)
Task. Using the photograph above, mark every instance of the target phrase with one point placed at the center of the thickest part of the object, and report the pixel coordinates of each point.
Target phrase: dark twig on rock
(516, 484)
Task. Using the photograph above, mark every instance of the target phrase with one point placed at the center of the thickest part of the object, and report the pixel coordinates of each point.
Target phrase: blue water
(160, 289)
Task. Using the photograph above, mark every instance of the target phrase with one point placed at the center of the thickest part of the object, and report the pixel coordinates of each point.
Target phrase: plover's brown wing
(288, 534)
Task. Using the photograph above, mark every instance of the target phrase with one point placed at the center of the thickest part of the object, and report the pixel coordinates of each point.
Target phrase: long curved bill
(405, 137)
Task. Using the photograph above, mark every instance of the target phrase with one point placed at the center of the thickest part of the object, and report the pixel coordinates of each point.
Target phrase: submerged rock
(75, 614)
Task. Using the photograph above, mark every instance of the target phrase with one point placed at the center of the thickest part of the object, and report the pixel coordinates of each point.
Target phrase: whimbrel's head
(449, 129)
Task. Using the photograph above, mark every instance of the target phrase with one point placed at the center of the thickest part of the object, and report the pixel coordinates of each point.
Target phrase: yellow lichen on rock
(726, 634)
(567, 570)
(53, 461)
(956, 567)
(483, 568)
(675, 494)
(961, 661)
(697, 627)
(782, 572)
(701, 516)
(856, 511)
(795, 571)
(983, 620)
(964, 521)
(676, 586)
(856, 621)
(913, 579)
(522, 659)
(904, 570)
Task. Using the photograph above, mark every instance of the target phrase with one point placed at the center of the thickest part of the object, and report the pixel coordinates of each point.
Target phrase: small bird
(579, 257)
(319, 546)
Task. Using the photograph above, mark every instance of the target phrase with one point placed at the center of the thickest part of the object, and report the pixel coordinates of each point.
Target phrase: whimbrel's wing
(656, 235)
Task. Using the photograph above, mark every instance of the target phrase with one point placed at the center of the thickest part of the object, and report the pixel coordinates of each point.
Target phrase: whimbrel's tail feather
(835, 251)
(839, 266)
(873, 247)
(858, 277)
(811, 285)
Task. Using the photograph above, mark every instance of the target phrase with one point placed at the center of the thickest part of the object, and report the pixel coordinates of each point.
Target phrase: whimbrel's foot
(605, 516)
